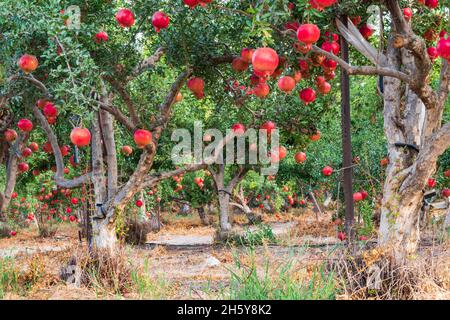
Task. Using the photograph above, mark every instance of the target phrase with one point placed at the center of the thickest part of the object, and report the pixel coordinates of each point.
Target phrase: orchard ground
(305, 241)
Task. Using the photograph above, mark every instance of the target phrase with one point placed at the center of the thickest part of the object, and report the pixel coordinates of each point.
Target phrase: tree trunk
(224, 204)
(203, 216)
(413, 153)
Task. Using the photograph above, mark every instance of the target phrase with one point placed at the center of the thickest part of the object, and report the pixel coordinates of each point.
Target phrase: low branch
(155, 178)
(147, 63)
(120, 88)
(59, 175)
(118, 115)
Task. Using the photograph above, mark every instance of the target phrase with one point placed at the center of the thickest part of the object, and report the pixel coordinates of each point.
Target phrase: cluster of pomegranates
(193, 3)
(360, 195)
(199, 181)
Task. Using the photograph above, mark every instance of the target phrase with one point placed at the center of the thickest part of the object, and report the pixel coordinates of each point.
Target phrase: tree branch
(147, 63)
(120, 88)
(59, 175)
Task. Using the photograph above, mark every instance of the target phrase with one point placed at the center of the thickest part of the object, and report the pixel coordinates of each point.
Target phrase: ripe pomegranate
(126, 150)
(315, 136)
(160, 20)
(238, 129)
(308, 33)
(429, 35)
(366, 31)
(26, 152)
(307, 95)
(66, 171)
(300, 157)
(443, 48)
(446, 193)
(286, 84)
(324, 88)
(139, 203)
(247, 54)
(432, 53)
(196, 86)
(34, 147)
(364, 194)
(179, 97)
(447, 173)
(297, 76)
(332, 46)
(125, 18)
(269, 126)
(261, 90)
(431, 183)
(25, 125)
(10, 135)
(341, 235)
(80, 137)
(28, 63)
(23, 167)
(72, 218)
(101, 36)
(41, 103)
(357, 196)
(325, 3)
(329, 65)
(142, 138)
(431, 3)
(13, 233)
(278, 153)
(363, 238)
(407, 13)
(50, 110)
(265, 61)
(74, 201)
(356, 20)
(384, 162)
(64, 150)
(327, 171)
(239, 64)
(191, 3)
(14, 195)
(47, 147)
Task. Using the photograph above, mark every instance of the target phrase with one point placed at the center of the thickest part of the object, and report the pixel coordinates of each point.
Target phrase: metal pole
(346, 140)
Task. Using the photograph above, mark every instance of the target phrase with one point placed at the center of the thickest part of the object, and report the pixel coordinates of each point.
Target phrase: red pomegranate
(191, 3)
(329, 65)
(26, 152)
(142, 138)
(28, 63)
(366, 31)
(431, 3)
(327, 171)
(446, 193)
(239, 64)
(307, 95)
(101, 36)
(64, 150)
(278, 153)
(308, 33)
(265, 61)
(443, 48)
(25, 125)
(179, 97)
(429, 35)
(331, 46)
(34, 147)
(297, 76)
(407, 13)
(261, 90)
(324, 88)
(325, 3)
(269, 126)
(315, 136)
(300, 157)
(10, 135)
(126, 150)
(74, 201)
(247, 54)
(50, 110)
(447, 173)
(23, 167)
(196, 86)
(341, 235)
(357, 196)
(302, 47)
(432, 53)
(286, 84)
(41, 103)
(160, 20)
(238, 129)
(80, 137)
(13, 233)
(356, 20)
(47, 147)
(431, 183)
(139, 203)
(125, 18)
